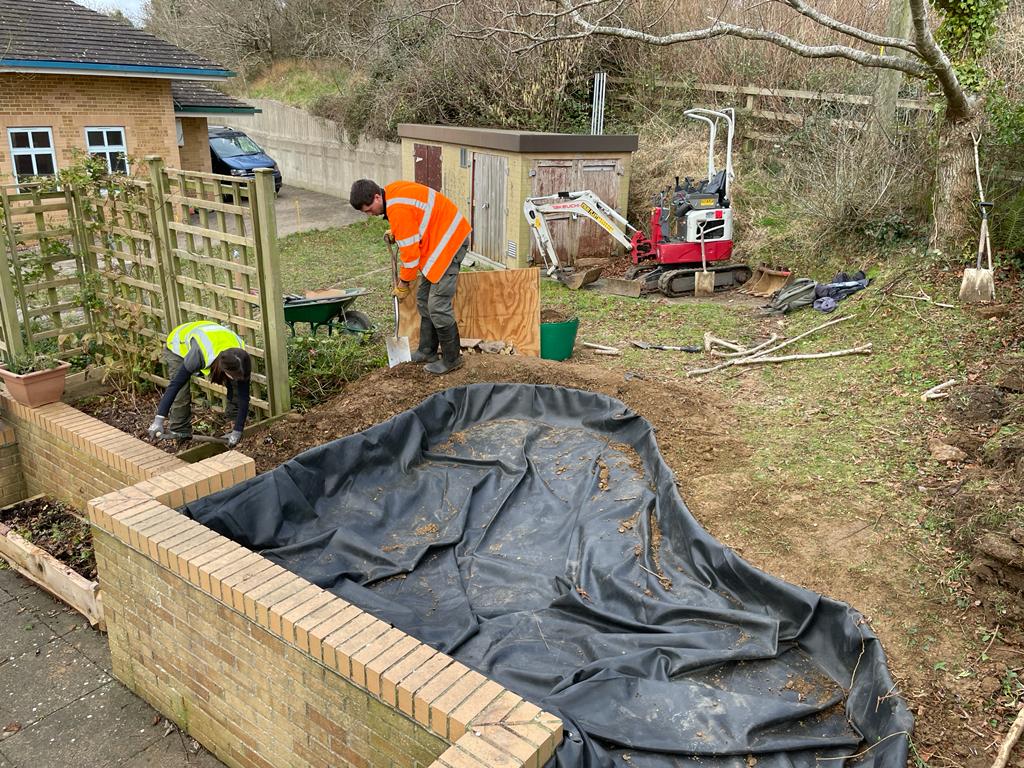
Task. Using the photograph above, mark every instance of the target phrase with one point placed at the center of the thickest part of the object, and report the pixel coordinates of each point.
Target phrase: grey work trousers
(179, 418)
(434, 300)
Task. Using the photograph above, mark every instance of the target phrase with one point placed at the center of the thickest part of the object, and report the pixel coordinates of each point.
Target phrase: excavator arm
(583, 203)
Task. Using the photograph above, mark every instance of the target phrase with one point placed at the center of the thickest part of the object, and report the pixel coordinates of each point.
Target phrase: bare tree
(533, 23)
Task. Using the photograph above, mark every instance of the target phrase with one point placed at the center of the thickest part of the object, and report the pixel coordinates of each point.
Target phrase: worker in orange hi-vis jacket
(431, 234)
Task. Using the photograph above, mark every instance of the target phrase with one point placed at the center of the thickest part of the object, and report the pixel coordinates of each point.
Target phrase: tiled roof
(190, 96)
(63, 34)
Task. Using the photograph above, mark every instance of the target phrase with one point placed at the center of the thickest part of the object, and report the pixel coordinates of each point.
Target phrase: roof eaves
(128, 69)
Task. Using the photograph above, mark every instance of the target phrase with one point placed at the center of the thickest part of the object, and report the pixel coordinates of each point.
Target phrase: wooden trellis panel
(147, 256)
(40, 269)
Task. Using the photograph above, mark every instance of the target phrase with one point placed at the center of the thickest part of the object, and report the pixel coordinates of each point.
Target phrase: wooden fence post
(272, 307)
(9, 321)
(162, 242)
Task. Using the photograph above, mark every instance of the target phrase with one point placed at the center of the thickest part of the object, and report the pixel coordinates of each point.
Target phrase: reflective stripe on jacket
(211, 338)
(428, 228)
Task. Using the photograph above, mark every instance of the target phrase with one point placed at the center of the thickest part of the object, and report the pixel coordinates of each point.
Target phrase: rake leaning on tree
(203, 346)
(431, 235)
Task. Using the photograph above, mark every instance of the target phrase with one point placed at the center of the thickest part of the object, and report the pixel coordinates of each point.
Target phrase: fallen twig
(711, 341)
(751, 351)
(1003, 756)
(937, 392)
(609, 352)
(927, 298)
(864, 349)
(601, 347)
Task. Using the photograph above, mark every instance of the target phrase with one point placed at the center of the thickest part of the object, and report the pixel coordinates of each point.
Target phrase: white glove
(156, 429)
(234, 438)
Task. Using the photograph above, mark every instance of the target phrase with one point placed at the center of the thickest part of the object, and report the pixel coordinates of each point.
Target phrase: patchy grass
(298, 83)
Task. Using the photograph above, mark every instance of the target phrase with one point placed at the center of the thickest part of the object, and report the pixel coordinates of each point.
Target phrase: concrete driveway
(300, 209)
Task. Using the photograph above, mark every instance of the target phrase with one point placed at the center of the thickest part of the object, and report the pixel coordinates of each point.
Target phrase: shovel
(668, 347)
(704, 281)
(398, 346)
(978, 284)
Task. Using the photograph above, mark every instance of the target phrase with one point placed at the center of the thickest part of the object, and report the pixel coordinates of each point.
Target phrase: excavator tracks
(680, 282)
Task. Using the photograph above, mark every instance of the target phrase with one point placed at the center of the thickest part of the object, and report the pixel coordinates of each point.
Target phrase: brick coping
(485, 724)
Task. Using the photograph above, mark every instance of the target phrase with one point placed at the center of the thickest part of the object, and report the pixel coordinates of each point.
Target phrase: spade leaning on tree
(206, 347)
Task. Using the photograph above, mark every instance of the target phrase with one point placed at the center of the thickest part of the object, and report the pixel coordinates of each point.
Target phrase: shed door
(427, 160)
(490, 177)
(602, 178)
(552, 177)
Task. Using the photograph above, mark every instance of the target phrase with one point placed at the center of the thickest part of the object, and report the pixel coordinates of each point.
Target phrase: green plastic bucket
(558, 339)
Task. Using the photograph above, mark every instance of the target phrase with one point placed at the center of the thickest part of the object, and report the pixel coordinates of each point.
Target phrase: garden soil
(55, 528)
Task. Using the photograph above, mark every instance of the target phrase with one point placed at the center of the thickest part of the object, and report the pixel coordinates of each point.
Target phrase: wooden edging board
(46, 571)
(495, 305)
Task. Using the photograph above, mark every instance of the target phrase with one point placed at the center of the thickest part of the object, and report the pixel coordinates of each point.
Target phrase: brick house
(72, 78)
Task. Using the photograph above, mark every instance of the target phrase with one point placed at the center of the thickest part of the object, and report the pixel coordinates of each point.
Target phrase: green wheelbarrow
(327, 311)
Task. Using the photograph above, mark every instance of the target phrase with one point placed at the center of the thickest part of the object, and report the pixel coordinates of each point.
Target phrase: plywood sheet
(503, 305)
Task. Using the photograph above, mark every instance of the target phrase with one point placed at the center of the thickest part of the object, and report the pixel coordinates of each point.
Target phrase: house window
(32, 152)
(109, 144)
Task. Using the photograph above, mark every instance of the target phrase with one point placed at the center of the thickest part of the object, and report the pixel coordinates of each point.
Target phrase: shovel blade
(978, 286)
(704, 284)
(398, 350)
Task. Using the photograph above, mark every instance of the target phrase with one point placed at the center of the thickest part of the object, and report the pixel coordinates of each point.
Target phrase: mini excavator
(690, 226)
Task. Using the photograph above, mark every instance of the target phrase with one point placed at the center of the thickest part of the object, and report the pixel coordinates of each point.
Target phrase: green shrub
(320, 366)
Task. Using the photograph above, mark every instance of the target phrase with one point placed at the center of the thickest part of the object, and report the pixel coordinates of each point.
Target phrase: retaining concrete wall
(314, 153)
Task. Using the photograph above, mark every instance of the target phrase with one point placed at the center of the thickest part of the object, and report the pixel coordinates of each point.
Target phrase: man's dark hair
(362, 193)
(232, 363)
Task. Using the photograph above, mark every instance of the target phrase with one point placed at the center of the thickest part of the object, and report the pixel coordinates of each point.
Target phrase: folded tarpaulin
(535, 534)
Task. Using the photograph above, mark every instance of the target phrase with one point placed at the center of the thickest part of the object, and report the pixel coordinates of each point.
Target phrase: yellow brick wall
(12, 483)
(195, 153)
(74, 457)
(67, 104)
(270, 671)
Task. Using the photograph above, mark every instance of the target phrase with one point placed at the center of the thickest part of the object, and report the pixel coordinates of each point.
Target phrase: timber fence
(121, 267)
(772, 114)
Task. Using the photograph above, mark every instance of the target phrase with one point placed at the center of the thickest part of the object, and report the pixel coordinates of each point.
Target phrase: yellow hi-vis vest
(211, 338)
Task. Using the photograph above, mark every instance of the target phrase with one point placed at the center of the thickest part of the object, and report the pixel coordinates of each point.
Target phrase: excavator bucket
(765, 281)
(576, 279)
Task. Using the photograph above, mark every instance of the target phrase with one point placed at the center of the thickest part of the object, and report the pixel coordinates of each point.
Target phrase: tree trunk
(955, 192)
(887, 85)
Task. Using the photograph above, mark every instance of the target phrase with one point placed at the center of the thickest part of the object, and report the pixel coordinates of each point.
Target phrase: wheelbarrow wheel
(357, 322)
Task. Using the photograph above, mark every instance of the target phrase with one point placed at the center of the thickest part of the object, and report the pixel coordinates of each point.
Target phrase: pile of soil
(56, 528)
(685, 417)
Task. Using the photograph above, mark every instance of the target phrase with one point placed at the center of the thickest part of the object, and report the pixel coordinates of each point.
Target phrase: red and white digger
(690, 226)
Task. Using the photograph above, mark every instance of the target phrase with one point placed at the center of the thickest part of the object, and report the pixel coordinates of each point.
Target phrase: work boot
(451, 353)
(426, 352)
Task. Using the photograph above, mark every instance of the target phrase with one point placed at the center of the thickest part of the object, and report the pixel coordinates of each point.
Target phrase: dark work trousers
(434, 300)
(179, 419)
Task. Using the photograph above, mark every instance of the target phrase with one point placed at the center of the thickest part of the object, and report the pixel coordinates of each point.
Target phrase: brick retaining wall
(264, 668)
(12, 482)
(74, 457)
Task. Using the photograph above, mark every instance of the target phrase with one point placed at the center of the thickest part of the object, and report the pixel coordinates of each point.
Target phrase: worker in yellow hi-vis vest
(206, 347)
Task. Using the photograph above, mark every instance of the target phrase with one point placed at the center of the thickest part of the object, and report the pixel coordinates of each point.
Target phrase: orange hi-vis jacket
(428, 228)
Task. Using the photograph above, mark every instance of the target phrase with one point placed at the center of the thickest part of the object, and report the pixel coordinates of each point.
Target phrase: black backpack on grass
(796, 295)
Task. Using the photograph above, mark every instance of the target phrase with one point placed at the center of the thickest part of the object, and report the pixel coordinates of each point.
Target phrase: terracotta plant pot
(36, 388)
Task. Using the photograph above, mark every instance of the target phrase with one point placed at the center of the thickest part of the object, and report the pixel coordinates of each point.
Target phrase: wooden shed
(489, 172)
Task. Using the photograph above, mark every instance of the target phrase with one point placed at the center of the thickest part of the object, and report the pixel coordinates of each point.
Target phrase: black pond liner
(535, 534)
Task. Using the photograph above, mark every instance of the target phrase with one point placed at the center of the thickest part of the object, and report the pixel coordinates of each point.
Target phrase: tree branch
(859, 34)
(720, 28)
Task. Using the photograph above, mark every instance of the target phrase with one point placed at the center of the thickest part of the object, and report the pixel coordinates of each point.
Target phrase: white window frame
(31, 151)
(106, 149)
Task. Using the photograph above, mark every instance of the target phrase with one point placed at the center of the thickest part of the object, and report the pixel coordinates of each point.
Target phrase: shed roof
(48, 35)
(191, 97)
(518, 141)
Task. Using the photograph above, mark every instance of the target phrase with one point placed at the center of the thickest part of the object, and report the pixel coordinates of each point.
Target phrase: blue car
(232, 153)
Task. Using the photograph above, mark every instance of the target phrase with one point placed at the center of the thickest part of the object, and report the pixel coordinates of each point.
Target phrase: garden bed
(48, 543)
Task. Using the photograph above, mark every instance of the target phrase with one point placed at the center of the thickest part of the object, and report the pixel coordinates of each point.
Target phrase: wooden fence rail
(778, 105)
(128, 264)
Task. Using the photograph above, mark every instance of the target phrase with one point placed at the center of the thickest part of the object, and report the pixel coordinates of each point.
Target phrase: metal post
(597, 106)
(261, 200)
